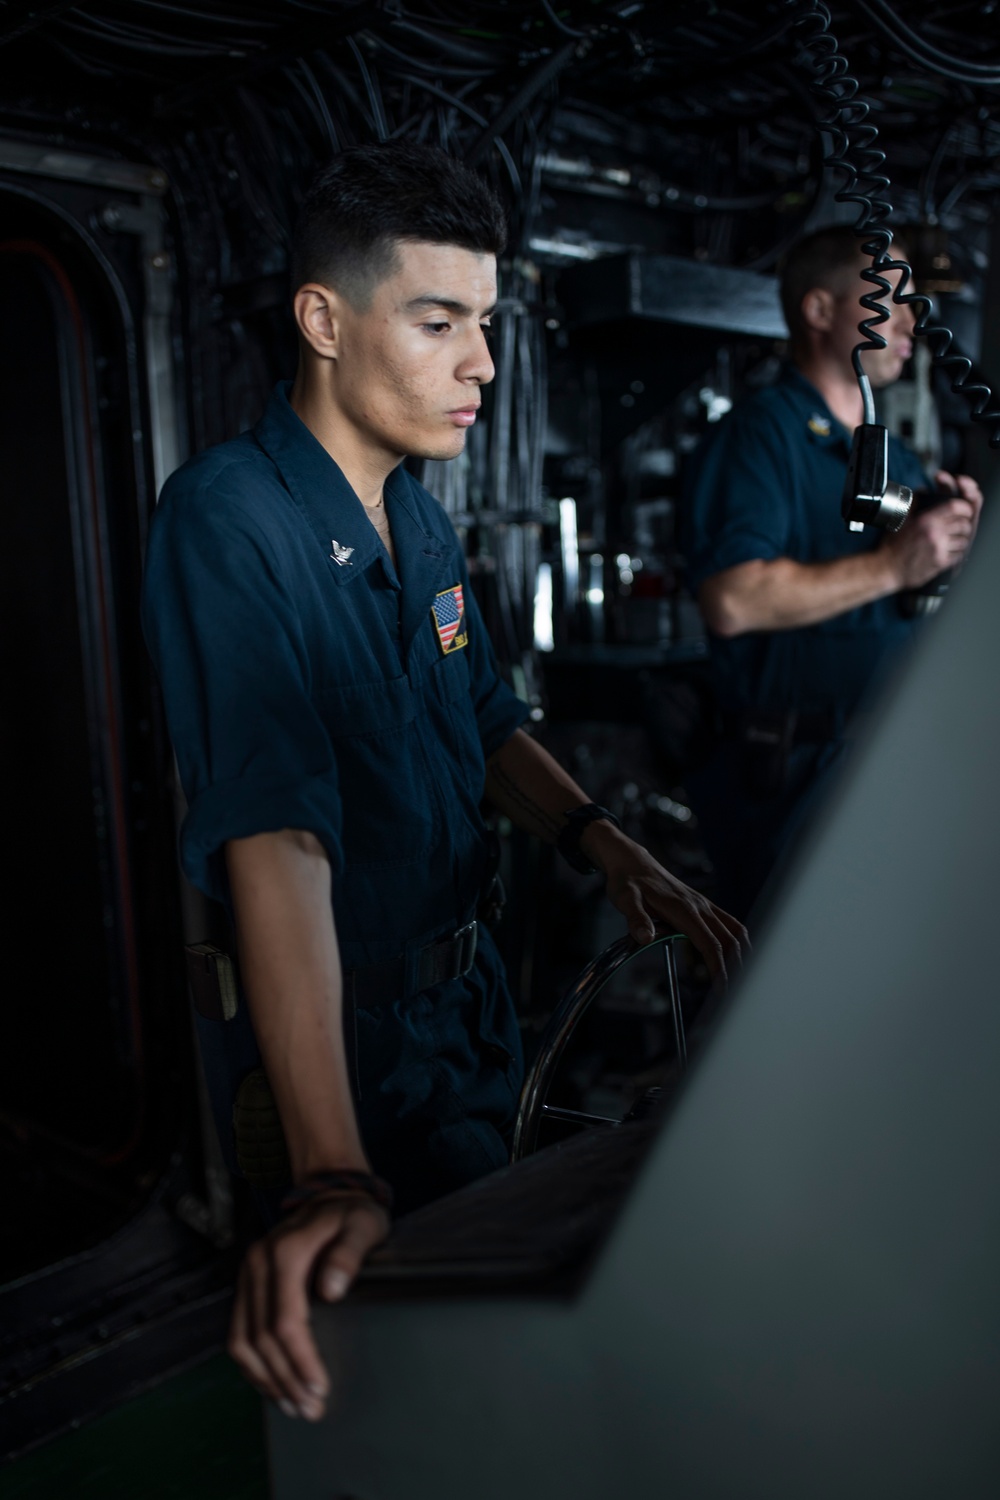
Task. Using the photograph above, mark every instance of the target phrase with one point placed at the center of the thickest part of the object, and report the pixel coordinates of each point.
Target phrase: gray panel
(802, 1295)
(827, 1195)
(669, 289)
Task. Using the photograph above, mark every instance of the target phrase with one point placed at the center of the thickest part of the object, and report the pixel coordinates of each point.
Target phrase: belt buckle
(466, 939)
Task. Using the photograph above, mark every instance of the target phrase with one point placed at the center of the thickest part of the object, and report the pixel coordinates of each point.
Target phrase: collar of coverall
(334, 512)
(822, 427)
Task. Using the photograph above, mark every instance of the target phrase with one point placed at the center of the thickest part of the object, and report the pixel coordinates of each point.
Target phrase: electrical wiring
(147, 39)
(159, 50)
(321, 104)
(961, 69)
(474, 115)
(80, 59)
(560, 25)
(987, 179)
(685, 200)
(544, 75)
(379, 122)
(930, 177)
(436, 70)
(344, 93)
(532, 199)
(204, 16)
(772, 256)
(261, 208)
(700, 117)
(462, 51)
(321, 118)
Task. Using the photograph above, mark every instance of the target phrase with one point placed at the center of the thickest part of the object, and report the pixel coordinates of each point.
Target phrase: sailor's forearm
(781, 594)
(290, 967)
(531, 788)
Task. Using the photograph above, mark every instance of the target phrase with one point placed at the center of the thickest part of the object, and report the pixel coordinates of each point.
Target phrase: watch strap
(577, 820)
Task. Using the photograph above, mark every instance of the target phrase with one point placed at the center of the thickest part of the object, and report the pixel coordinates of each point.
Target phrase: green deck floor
(198, 1436)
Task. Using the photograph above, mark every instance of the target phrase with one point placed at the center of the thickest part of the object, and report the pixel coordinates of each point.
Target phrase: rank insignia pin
(819, 425)
(340, 554)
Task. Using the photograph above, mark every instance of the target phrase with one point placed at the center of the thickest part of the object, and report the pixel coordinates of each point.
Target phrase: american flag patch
(448, 613)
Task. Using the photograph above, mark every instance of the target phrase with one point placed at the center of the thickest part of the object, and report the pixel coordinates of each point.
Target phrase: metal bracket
(146, 221)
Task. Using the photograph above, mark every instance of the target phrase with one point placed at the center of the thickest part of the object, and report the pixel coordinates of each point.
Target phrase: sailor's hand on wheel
(321, 1247)
(649, 896)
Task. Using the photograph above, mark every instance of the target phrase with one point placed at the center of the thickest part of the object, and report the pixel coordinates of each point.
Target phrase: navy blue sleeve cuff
(498, 715)
(730, 552)
(240, 809)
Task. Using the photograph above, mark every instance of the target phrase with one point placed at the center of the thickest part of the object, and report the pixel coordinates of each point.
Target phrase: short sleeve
(499, 711)
(225, 637)
(737, 498)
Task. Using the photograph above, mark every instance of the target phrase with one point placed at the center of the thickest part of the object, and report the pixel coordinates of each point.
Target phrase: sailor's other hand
(321, 1247)
(932, 540)
(649, 896)
(964, 487)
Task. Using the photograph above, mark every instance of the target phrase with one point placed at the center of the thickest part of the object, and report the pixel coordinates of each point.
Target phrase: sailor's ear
(318, 312)
(817, 309)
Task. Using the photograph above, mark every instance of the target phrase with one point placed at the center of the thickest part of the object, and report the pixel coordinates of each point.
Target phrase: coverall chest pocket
(385, 792)
(452, 689)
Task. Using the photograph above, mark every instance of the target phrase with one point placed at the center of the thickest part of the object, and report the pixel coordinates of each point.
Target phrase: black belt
(788, 728)
(444, 959)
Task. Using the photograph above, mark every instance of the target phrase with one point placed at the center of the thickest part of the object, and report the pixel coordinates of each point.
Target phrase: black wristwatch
(568, 842)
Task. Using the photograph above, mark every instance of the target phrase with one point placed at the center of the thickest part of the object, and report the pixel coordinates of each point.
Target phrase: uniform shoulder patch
(448, 614)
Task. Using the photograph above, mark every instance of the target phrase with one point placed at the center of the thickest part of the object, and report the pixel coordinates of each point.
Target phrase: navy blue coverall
(308, 687)
(768, 484)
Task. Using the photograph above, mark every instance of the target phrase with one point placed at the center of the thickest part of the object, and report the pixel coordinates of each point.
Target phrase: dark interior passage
(88, 991)
(62, 1022)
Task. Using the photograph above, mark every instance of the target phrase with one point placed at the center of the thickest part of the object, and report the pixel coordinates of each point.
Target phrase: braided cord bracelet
(318, 1184)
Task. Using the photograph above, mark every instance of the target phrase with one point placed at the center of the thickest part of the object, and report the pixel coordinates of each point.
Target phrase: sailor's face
(882, 366)
(414, 361)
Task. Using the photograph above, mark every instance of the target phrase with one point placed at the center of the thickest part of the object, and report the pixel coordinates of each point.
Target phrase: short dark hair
(828, 258)
(371, 197)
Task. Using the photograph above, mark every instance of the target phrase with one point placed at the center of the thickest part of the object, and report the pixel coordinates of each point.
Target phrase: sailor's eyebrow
(451, 304)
